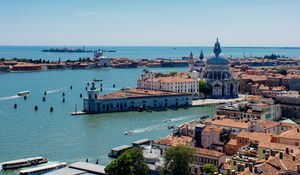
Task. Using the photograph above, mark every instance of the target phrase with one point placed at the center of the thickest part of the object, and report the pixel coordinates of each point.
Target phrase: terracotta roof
(291, 134)
(132, 93)
(212, 128)
(226, 122)
(232, 142)
(174, 141)
(211, 153)
(255, 136)
(276, 166)
(266, 124)
(276, 146)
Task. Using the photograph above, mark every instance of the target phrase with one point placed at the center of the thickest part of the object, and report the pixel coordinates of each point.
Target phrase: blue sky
(150, 22)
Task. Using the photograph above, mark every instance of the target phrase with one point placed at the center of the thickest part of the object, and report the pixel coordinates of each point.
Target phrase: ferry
(14, 164)
(23, 93)
(43, 169)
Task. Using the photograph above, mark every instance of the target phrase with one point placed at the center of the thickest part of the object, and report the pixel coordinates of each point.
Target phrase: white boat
(43, 169)
(14, 164)
(167, 120)
(128, 132)
(23, 93)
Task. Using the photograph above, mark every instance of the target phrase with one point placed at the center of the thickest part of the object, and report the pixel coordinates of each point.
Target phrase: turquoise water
(142, 52)
(62, 137)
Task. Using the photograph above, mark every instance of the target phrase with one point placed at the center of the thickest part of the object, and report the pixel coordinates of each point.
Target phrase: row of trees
(177, 160)
(43, 61)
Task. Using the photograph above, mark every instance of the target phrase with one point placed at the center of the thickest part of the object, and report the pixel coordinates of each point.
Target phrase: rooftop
(226, 122)
(135, 93)
(211, 153)
(255, 136)
(174, 141)
(291, 134)
(122, 147)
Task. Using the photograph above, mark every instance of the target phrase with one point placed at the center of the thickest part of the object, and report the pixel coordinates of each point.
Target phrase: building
(179, 82)
(264, 109)
(4, 68)
(133, 99)
(289, 137)
(205, 156)
(211, 138)
(28, 67)
(232, 125)
(217, 73)
(290, 104)
(276, 163)
(201, 156)
(101, 60)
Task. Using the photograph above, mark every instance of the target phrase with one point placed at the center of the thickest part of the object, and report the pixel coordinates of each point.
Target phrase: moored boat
(116, 152)
(43, 169)
(23, 93)
(14, 164)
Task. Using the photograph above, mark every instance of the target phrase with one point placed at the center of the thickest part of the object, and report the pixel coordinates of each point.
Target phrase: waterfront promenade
(204, 102)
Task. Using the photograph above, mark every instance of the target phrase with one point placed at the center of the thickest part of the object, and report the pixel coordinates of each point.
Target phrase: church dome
(217, 57)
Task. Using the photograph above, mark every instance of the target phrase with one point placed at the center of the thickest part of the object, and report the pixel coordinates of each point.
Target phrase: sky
(150, 22)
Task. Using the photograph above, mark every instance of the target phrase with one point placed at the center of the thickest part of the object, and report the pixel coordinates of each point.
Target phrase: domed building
(217, 73)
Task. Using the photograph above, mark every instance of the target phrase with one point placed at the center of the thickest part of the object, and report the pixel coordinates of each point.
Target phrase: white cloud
(85, 14)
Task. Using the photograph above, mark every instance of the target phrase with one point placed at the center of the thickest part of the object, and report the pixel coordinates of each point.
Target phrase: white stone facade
(177, 83)
(217, 73)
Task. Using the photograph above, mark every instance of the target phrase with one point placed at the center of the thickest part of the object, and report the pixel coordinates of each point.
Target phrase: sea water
(59, 136)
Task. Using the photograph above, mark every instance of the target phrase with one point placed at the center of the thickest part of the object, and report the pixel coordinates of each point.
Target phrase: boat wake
(160, 126)
(148, 128)
(55, 90)
(9, 97)
(180, 118)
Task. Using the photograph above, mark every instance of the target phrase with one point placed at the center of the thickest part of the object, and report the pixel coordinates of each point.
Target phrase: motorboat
(23, 93)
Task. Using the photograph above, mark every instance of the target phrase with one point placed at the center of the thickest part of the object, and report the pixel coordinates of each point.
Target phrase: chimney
(239, 167)
(266, 156)
(251, 167)
(298, 168)
(287, 151)
(255, 169)
(273, 153)
(281, 155)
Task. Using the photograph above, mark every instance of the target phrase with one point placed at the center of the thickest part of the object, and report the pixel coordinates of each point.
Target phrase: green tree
(282, 71)
(204, 87)
(209, 168)
(129, 163)
(177, 160)
(172, 73)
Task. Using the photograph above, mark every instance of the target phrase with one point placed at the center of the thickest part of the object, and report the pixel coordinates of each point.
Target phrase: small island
(64, 49)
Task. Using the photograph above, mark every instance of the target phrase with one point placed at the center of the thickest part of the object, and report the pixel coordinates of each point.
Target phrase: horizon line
(205, 46)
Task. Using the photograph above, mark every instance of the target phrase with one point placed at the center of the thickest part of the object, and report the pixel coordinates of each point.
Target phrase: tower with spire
(201, 55)
(191, 55)
(217, 49)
